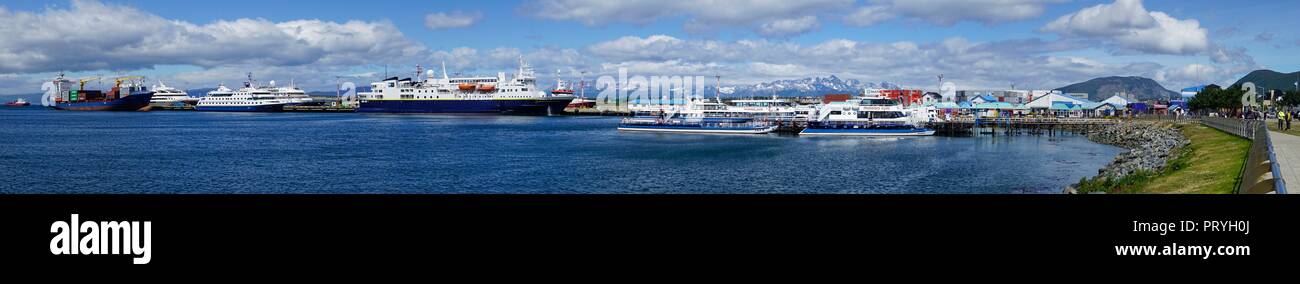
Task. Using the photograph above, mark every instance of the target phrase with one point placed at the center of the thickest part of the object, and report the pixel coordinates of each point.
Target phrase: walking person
(1288, 120)
(1281, 120)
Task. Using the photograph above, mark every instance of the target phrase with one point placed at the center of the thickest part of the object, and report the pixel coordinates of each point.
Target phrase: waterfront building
(1101, 109)
(1190, 92)
(999, 109)
(985, 98)
(1078, 96)
(1048, 103)
(1119, 102)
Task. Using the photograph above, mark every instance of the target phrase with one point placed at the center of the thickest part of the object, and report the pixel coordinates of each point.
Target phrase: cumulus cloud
(1129, 27)
(781, 18)
(868, 16)
(948, 12)
(80, 39)
(454, 19)
(777, 18)
(972, 64)
(789, 27)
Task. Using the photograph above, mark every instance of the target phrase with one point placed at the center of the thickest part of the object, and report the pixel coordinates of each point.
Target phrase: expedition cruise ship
(463, 95)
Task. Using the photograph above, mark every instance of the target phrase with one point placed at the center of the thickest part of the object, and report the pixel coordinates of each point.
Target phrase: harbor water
(47, 151)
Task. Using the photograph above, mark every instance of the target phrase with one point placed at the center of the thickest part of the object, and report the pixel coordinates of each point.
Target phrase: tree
(1213, 98)
(1290, 98)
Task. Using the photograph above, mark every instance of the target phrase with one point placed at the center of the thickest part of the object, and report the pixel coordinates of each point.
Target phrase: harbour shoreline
(1151, 145)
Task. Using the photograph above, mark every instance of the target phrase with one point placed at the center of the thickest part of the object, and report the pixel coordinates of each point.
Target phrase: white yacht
(290, 95)
(694, 116)
(769, 108)
(168, 96)
(867, 116)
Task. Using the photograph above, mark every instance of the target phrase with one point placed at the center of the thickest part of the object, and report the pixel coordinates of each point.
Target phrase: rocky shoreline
(1150, 146)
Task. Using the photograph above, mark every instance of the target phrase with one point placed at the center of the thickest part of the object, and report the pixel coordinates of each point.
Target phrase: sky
(976, 44)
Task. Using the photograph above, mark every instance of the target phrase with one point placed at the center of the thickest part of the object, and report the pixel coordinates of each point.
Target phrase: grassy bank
(1210, 164)
(1295, 127)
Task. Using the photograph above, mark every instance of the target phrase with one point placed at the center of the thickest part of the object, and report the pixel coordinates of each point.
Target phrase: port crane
(118, 81)
(82, 82)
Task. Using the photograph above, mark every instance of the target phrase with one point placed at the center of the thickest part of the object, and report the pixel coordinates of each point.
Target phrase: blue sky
(975, 43)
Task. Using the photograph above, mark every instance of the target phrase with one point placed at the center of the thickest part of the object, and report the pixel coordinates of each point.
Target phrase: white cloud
(789, 27)
(868, 16)
(454, 19)
(1197, 74)
(1127, 25)
(971, 64)
(948, 12)
(767, 17)
(81, 39)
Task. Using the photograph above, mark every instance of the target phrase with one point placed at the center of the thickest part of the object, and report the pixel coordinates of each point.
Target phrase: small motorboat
(20, 102)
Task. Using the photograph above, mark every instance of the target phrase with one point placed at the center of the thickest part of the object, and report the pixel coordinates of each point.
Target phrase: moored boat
(170, 98)
(870, 116)
(696, 125)
(128, 94)
(483, 94)
(20, 102)
(247, 99)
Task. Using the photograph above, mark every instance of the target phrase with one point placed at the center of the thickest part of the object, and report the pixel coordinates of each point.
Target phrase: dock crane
(118, 81)
(82, 82)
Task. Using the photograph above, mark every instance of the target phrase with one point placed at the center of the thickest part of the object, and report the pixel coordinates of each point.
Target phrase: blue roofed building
(1190, 92)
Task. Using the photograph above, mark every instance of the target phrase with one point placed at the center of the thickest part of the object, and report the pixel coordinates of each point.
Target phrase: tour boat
(869, 116)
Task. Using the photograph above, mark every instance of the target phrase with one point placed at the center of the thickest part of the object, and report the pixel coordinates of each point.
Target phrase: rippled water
(47, 151)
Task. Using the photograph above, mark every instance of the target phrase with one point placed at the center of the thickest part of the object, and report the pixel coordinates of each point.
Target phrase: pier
(1017, 125)
(307, 108)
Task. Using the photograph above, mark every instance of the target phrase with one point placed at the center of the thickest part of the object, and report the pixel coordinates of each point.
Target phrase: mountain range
(812, 86)
(1139, 88)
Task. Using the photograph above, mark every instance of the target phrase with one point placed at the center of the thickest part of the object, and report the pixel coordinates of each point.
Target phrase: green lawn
(1295, 127)
(1211, 164)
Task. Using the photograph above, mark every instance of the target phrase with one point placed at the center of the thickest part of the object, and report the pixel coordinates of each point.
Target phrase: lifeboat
(466, 87)
(486, 88)
(562, 92)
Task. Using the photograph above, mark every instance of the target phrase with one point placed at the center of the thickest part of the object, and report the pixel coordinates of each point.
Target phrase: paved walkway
(1286, 148)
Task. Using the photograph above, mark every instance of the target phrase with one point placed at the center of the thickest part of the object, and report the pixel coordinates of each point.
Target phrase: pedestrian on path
(1281, 120)
(1288, 120)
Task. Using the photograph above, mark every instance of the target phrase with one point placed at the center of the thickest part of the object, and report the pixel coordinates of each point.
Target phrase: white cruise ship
(247, 99)
(481, 94)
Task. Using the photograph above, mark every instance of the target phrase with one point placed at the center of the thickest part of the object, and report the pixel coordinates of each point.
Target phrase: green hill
(1270, 80)
(1138, 87)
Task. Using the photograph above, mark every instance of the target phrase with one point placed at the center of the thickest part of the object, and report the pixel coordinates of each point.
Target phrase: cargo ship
(128, 94)
(484, 94)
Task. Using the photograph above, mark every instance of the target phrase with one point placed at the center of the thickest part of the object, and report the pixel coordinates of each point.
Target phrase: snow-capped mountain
(815, 86)
(806, 87)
